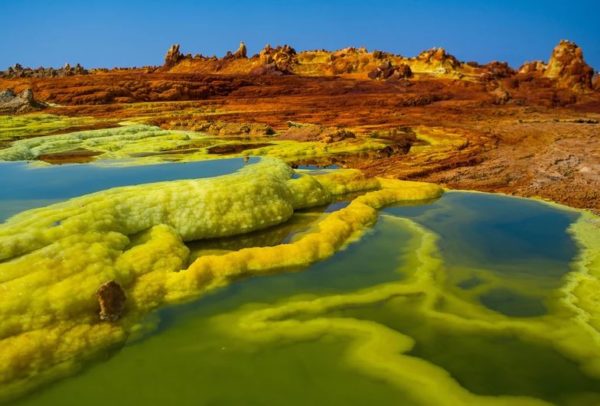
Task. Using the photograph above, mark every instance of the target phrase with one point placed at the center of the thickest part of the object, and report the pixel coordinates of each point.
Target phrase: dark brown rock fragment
(111, 299)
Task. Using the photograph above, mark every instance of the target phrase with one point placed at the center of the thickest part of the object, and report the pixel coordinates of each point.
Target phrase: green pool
(495, 265)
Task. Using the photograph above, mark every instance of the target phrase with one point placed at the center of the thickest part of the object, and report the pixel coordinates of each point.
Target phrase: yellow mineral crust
(581, 293)
(129, 137)
(19, 126)
(53, 259)
(149, 143)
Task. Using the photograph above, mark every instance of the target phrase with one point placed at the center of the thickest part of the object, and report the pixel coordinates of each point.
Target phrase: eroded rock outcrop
(241, 52)
(568, 68)
(532, 67)
(173, 56)
(281, 58)
(497, 70)
(387, 71)
(11, 103)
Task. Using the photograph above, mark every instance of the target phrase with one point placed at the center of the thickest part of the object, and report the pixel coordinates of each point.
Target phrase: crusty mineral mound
(568, 67)
(10, 103)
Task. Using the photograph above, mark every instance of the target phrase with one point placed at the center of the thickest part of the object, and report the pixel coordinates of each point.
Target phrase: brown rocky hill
(351, 62)
(566, 67)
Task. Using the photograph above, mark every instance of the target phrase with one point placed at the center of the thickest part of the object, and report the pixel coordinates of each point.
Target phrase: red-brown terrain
(533, 131)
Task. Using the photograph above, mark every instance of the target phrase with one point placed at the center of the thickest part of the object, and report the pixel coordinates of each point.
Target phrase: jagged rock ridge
(566, 67)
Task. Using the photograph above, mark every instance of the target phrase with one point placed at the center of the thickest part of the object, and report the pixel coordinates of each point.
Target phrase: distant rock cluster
(174, 55)
(278, 60)
(18, 71)
(11, 103)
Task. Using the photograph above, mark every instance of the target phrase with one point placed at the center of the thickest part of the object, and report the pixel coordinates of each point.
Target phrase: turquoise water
(23, 186)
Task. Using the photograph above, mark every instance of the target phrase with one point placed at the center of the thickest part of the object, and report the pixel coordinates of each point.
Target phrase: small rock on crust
(111, 299)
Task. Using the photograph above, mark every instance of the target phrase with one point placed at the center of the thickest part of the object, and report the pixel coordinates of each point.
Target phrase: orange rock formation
(532, 131)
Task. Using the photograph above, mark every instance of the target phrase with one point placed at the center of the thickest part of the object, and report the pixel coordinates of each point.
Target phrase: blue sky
(126, 33)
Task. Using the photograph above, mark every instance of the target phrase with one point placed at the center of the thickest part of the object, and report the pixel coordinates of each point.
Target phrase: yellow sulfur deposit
(55, 258)
(27, 125)
(581, 293)
(148, 143)
(128, 137)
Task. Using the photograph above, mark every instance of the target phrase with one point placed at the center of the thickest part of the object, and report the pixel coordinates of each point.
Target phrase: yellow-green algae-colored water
(460, 299)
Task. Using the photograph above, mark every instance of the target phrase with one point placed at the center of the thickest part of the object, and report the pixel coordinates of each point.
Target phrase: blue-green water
(520, 240)
(23, 186)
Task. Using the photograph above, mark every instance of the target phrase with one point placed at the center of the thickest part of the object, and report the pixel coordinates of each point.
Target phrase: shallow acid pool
(470, 280)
